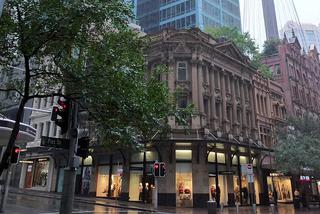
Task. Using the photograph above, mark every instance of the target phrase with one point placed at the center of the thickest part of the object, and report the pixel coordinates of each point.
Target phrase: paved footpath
(101, 205)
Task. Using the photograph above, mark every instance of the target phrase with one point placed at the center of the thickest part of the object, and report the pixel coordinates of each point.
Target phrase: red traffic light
(17, 150)
(63, 104)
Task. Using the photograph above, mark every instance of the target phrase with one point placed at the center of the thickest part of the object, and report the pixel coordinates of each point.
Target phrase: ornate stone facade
(299, 75)
(217, 80)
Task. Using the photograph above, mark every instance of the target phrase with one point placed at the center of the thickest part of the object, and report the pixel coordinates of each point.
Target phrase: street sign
(247, 169)
(250, 178)
(55, 142)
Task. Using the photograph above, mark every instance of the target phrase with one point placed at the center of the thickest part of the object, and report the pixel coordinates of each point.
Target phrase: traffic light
(83, 147)
(162, 169)
(63, 113)
(156, 169)
(15, 152)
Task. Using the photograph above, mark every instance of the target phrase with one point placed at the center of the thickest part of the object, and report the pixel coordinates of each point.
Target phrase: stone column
(200, 88)
(195, 97)
(200, 177)
(171, 84)
(125, 178)
(223, 97)
(213, 99)
(167, 185)
(243, 105)
(172, 74)
(230, 186)
(253, 115)
(234, 105)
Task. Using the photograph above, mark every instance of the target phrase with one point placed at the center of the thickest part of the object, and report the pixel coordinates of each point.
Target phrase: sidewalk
(281, 209)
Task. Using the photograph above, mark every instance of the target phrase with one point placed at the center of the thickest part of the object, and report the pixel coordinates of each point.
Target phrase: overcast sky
(252, 16)
(308, 10)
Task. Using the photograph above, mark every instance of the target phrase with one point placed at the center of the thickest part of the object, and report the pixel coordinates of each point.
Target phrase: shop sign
(276, 174)
(305, 178)
(226, 172)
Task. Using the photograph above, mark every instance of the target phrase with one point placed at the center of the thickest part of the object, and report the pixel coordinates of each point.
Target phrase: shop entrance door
(28, 177)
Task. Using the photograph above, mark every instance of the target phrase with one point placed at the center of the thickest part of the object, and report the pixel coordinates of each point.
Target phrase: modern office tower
(307, 34)
(154, 15)
(270, 19)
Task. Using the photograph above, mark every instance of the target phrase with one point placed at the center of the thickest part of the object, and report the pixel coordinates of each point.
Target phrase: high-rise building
(154, 15)
(270, 19)
(307, 34)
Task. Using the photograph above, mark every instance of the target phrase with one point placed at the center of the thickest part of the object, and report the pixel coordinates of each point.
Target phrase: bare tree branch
(12, 89)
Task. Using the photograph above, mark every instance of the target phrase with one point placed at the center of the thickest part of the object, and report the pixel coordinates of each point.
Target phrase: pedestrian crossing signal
(159, 169)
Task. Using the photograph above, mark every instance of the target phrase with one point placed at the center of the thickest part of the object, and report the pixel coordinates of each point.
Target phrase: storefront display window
(86, 179)
(243, 192)
(103, 181)
(222, 179)
(116, 180)
(282, 185)
(41, 173)
(184, 184)
(135, 188)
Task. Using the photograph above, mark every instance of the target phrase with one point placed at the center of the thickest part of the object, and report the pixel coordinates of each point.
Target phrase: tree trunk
(13, 137)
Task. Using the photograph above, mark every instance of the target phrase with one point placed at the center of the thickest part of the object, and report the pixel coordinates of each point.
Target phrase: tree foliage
(298, 148)
(83, 50)
(270, 47)
(245, 44)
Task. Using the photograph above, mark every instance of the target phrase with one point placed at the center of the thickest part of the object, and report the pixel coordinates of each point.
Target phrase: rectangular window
(277, 69)
(54, 130)
(48, 128)
(204, 73)
(182, 71)
(41, 130)
(217, 109)
(182, 102)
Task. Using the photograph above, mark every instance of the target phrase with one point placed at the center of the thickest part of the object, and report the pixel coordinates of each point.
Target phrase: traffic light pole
(69, 180)
(155, 192)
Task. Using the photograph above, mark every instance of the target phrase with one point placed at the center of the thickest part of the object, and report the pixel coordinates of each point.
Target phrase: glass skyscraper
(153, 15)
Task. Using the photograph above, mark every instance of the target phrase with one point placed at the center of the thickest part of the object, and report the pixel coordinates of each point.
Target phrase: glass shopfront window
(136, 188)
(222, 179)
(282, 185)
(116, 180)
(184, 184)
(243, 192)
(103, 181)
(40, 178)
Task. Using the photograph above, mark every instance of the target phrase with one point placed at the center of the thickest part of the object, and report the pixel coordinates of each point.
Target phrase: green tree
(85, 48)
(245, 44)
(298, 148)
(270, 47)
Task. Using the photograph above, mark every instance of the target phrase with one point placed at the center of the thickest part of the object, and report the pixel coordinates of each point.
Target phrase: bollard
(237, 207)
(273, 210)
(212, 207)
(254, 208)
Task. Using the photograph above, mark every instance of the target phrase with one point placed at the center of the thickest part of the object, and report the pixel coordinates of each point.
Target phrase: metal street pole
(69, 180)
(251, 185)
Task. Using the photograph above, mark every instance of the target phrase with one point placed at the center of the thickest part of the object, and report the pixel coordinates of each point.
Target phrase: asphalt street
(26, 204)
(39, 204)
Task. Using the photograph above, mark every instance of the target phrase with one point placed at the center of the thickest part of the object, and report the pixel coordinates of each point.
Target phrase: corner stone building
(218, 80)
